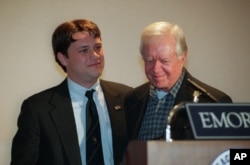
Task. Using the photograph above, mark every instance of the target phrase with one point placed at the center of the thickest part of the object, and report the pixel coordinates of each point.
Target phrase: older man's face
(162, 65)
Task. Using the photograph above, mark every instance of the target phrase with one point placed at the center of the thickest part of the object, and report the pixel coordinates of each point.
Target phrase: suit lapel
(113, 101)
(185, 93)
(63, 118)
(135, 109)
(141, 106)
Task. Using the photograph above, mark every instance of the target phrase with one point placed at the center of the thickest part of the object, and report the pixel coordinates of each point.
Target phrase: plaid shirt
(155, 118)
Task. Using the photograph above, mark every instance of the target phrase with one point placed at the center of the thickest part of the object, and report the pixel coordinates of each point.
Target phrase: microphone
(203, 90)
(196, 95)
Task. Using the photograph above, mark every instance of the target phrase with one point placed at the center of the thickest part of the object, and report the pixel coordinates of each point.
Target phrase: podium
(193, 152)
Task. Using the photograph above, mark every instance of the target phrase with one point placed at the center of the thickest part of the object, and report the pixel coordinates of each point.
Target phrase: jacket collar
(63, 118)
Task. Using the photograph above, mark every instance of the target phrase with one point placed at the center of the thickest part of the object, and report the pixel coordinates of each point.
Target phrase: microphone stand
(172, 112)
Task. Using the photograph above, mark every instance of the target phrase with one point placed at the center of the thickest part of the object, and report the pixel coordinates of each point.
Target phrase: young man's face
(85, 61)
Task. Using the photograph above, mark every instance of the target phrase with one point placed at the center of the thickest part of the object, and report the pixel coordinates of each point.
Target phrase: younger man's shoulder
(115, 85)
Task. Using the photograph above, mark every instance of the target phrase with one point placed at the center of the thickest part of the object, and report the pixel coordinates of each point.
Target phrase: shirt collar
(154, 92)
(77, 91)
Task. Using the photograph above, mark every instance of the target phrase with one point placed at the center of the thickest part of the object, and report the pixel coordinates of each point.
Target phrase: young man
(52, 126)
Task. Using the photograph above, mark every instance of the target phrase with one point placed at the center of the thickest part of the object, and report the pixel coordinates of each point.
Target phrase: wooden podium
(196, 152)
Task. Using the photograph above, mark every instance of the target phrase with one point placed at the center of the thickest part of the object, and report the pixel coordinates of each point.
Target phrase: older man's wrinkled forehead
(165, 42)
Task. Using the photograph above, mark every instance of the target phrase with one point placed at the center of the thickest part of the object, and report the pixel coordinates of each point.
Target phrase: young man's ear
(62, 58)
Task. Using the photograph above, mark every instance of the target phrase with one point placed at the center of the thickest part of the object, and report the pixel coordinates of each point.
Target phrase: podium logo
(222, 159)
(239, 156)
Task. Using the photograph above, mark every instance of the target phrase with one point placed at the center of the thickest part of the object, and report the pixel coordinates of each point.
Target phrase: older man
(164, 51)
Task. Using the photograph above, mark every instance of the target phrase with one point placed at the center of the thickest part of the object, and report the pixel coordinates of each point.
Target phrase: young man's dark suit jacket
(136, 102)
(47, 131)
